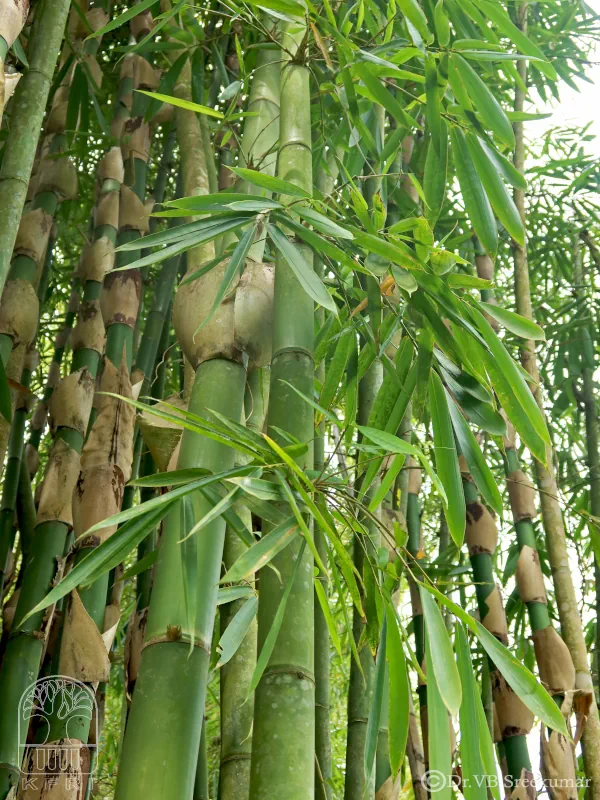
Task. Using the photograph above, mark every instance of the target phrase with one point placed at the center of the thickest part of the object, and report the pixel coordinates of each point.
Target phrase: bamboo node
(32, 238)
(57, 489)
(111, 166)
(133, 215)
(522, 496)
(481, 533)
(106, 211)
(121, 297)
(71, 401)
(90, 331)
(19, 310)
(240, 325)
(514, 717)
(529, 577)
(59, 175)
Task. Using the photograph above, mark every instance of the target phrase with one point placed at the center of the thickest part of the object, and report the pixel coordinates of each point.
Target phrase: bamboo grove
(298, 401)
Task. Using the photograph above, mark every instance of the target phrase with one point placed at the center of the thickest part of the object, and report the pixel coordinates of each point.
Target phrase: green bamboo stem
(120, 331)
(201, 790)
(482, 565)
(11, 476)
(16, 437)
(29, 105)
(40, 415)
(588, 398)
(552, 518)
(236, 706)
(56, 180)
(177, 645)
(323, 768)
(25, 512)
(284, 716)
(158, 759)
(27, 269)
(360, 692)
(258, 146)
(26, 645)
(261, 132)
(144, 580)
(414, 546)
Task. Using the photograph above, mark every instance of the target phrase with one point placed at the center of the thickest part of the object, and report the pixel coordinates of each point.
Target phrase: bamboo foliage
(284, 404)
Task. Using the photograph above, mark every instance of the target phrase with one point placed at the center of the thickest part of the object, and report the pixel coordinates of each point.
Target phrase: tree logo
(55, 715)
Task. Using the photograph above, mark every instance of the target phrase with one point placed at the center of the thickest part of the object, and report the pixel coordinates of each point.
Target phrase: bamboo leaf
(336, 367)
(415, 14)
(179, 232)
(438, 729)
(328, 616)
(486, 749)
(174, 478)
(167, 83)
(443, 666)
(394, 251)
(496, 190)
(260, 554)
(264, 490)
(306, 276)
(433, 108)
(236, 631)
(221, 201)
(390, 442)
(515, 323)
(485, 103)
(434, 179)
(227, 594)
(317, 243)
(460, 281)
(446, 459)
(505, 167)
(380, 94)
(518, 677)
(285, 7)
(387, 482)
(498, 15)
(481, 473)
(474, 787)
(442, 25)
(162, 500)
(475, 199)
(513, 391)
(214, 513)
(322, 223)
(104, 557)
(372, 734)
(188, 557)
(186, 104)
(270, 182)
(398, 693)
(124, 17)
(149, 560)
